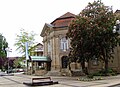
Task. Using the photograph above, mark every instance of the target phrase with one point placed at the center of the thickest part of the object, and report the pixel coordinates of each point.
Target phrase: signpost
(27, 56)
(8, 51)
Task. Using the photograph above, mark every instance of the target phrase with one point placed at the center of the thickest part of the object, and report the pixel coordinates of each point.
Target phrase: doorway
(64, 61)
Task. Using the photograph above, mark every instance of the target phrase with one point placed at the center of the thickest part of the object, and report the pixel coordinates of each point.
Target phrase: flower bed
(89, 79)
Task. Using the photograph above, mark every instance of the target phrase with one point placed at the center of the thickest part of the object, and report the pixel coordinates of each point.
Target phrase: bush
(42, 68)
(103, 72)
(90, 76)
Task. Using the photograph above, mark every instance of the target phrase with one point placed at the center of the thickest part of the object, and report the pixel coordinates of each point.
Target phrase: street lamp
(8, 51)
(117, 27)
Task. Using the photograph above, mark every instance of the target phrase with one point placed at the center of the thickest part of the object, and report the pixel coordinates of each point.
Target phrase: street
(18, 79)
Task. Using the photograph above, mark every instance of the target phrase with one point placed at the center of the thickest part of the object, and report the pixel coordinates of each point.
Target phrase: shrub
(90, 76)
(109, 72)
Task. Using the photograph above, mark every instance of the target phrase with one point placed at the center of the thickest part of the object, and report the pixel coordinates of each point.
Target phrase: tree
(22, 38)
(91, 35)
(17, 62)
(3, 53)
(3, 46)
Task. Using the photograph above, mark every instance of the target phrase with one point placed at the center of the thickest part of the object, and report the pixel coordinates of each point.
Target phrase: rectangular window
(64, 44)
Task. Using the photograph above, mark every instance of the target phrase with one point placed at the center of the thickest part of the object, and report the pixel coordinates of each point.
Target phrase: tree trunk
(106, 66)
(84, 69)
(70, 72)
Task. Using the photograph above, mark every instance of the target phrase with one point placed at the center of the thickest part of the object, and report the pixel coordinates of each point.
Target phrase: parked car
(9, 71)
(18, 70)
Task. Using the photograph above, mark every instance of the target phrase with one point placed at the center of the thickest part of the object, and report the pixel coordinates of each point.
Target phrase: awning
(40, 58)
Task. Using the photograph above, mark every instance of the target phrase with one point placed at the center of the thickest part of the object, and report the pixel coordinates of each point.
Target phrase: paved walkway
(18, 79)
(73, 82)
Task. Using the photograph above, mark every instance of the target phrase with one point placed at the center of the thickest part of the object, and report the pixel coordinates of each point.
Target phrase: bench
(42, 78)
(41, 81)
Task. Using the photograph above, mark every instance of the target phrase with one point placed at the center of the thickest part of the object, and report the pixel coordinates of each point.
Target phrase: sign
(26, 50)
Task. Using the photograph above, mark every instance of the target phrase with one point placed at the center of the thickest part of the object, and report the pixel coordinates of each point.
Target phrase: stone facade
(55, 52)
(56, 46)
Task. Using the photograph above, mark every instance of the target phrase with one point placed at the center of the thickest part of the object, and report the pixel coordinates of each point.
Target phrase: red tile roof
(63, 20)
(66, 15)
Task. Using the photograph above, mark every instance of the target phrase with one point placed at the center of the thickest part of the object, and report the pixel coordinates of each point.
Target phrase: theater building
(56, 46)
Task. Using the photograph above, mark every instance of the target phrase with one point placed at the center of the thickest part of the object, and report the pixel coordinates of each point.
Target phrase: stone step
(53, 73)
(77, 73)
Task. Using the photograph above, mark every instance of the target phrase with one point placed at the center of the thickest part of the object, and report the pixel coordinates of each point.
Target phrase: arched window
(64, 44)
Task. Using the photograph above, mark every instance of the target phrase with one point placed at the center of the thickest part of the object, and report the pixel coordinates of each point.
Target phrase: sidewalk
(5, 74)
(110, 81)
(64, 81)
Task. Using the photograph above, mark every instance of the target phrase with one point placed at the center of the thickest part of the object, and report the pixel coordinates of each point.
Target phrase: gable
(38, 47)
(45, 29)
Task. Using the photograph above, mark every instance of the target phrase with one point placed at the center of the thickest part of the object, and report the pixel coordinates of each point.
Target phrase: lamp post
(117, 27)
(117, 30)
(8, 51)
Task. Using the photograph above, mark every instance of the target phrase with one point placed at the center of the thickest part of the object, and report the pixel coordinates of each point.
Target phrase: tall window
(64, 44)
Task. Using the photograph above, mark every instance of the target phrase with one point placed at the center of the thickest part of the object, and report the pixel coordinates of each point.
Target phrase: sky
(31, 15)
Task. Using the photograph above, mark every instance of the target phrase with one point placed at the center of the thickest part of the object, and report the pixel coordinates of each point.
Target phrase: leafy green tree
(17, 62)
(3, 53)
(3, 46)
(23, 37)
(91, 35)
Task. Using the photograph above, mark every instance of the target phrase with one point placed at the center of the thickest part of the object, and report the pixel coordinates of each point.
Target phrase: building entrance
(64, 61)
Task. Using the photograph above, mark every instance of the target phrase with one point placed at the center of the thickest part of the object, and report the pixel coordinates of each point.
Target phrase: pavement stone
(18, 79)
(73, 82)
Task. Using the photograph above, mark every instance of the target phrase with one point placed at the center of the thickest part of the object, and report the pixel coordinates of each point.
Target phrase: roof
(64, 20)
(66, 15)
(40, 58)
(60, 22)
(39, 44)
(117, 11)
(38, 47)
